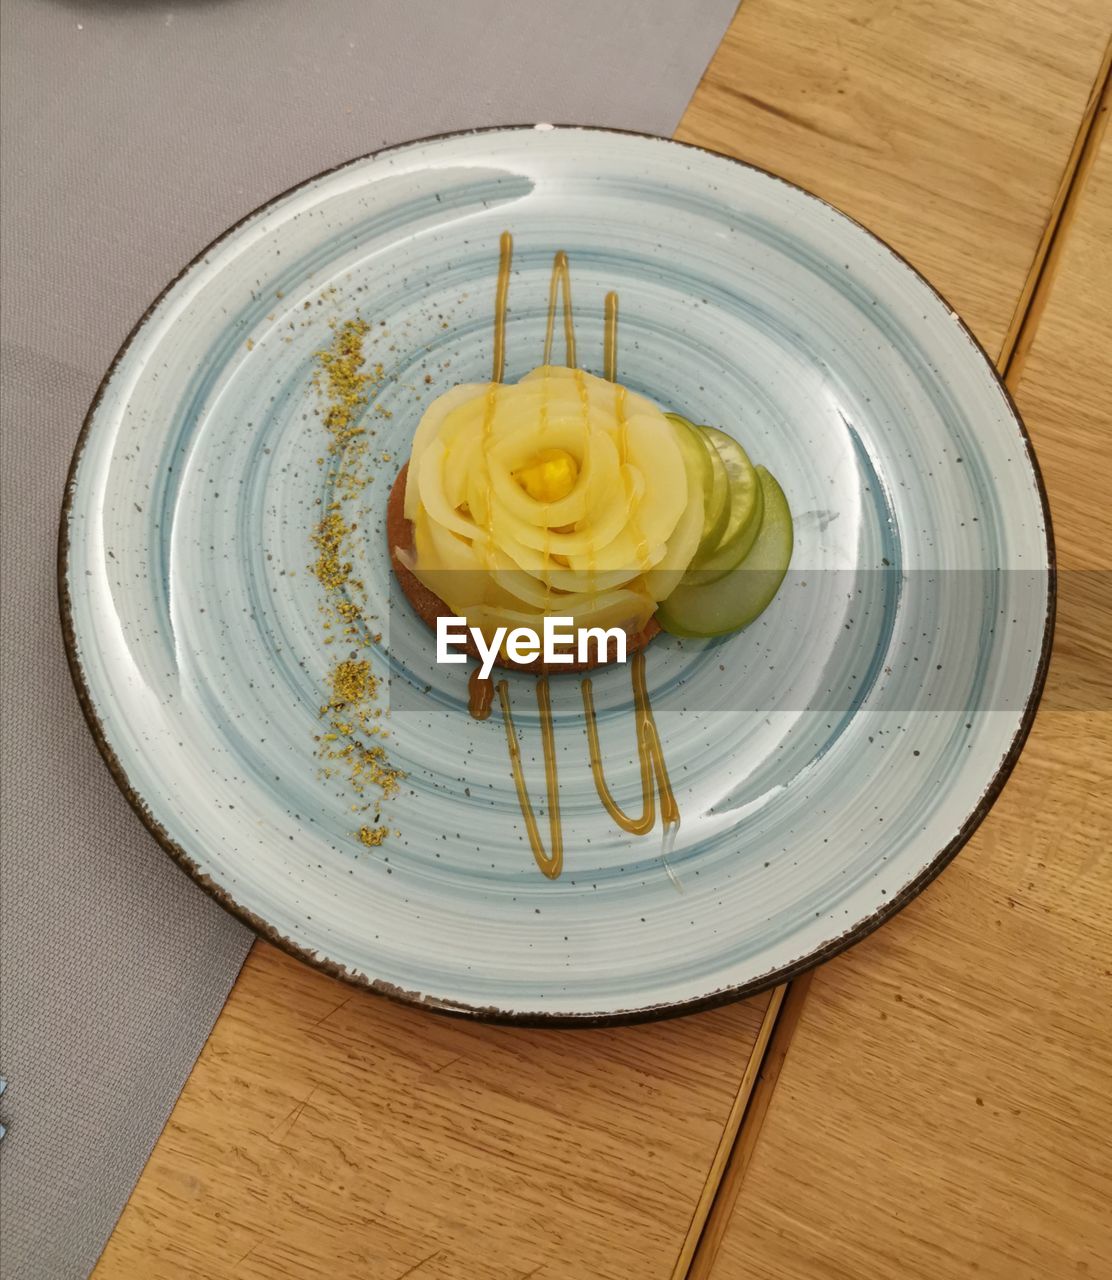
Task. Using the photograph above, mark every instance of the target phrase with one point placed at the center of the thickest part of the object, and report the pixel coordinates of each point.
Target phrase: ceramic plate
(828, 761)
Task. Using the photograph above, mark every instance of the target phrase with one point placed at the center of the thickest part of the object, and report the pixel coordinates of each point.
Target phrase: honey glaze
(654, 771)
(480, 695)
(501, 301)
(650, 752)
(551, 863)
(560, 284)
(610, 338)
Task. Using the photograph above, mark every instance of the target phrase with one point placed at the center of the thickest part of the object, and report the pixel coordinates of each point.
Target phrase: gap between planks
(746, 1116)
(1040, 278)
(728, 1141)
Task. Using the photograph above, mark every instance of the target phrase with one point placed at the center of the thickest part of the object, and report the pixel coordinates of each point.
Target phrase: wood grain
(945, 1107)
(943, 125)
(1025, 321)
(767, 1076)
(327, 1133)
(729, 1136)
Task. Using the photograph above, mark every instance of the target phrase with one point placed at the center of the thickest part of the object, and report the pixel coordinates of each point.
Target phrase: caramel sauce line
(561, 283)
(610, 369)
(651, 755)
(480, 695)
(585, 403)
(551, 863)
(501, 299)
(635, 826)
(559, 290)
(650, 751)
(610, 338)
(546, 549)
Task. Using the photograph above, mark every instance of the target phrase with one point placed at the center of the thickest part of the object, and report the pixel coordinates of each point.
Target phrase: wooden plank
(327, 1133)
(1035, 290)
(944, 126)
(945, 1107)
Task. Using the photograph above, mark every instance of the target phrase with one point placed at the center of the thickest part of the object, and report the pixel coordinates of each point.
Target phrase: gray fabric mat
(132, 134)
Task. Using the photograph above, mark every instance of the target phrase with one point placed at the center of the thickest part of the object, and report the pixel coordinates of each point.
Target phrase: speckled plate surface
(828, 761)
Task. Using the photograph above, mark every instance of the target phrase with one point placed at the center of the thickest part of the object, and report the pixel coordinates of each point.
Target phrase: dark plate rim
(649, 1013)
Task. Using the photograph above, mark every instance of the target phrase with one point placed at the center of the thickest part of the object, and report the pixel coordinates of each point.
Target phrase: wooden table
(930, 1104)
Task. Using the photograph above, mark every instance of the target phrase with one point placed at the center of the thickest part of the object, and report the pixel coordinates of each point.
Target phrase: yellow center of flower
(549, 476)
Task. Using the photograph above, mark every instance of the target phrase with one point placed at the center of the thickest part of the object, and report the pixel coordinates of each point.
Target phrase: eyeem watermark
(559, 643)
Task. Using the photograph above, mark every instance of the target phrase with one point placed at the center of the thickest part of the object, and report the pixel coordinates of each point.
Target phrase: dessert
(569, 494)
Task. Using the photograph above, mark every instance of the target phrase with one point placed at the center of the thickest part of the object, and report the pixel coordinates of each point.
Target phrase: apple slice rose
(562, 493)
(568, 494)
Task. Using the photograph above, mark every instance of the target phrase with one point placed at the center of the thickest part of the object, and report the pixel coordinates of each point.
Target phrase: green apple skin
(730, 553)
(718, 499)
(742, 503)
(712, 476)
(733, 601)
(695, 458)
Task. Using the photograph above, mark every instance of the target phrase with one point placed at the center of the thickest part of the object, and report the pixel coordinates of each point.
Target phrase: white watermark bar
(559, 643)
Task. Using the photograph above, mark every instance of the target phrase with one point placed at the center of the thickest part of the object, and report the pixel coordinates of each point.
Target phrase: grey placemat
(133, 133)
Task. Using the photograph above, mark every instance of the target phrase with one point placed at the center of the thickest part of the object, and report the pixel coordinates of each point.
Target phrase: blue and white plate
(828, 761)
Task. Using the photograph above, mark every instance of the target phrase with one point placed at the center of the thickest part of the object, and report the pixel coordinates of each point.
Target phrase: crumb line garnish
(350, 743)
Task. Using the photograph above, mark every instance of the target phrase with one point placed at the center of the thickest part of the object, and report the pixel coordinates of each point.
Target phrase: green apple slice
(714, 566)
(718, 497)
(715, 484)
(738, 597)
(695, 458)
(742, 501)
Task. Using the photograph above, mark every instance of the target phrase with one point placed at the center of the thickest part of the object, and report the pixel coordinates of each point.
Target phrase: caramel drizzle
(552, 863)
(480, 695)
(610, 339)
(654, 771)
(501, 299)
(651, 755)
(561, 283)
